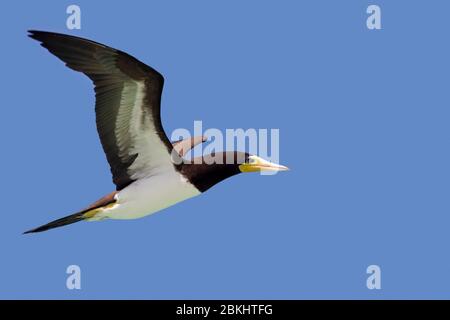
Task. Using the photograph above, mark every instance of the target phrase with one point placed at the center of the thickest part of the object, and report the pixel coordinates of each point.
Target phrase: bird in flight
(145, 165)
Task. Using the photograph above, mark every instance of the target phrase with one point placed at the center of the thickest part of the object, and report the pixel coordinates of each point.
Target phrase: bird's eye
(251, 160)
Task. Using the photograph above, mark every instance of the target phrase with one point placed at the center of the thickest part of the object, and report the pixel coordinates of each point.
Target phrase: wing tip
(33, 32)
(39, 35)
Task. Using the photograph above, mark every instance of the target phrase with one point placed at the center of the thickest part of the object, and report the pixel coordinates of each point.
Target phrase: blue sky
(363, 118)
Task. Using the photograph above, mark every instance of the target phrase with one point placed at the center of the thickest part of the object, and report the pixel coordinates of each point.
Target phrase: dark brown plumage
(211, 169)
(148, 171)
(111, 70)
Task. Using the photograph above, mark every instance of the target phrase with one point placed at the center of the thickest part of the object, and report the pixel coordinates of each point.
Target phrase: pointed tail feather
(59, 223)
(86, 214)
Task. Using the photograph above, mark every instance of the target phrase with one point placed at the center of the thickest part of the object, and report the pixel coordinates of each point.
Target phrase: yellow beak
(257, 164)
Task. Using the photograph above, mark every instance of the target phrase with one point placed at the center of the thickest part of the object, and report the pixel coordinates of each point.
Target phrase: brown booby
(144, 164)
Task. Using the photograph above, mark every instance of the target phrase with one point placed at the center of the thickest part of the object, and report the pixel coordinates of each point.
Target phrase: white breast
(149, 195)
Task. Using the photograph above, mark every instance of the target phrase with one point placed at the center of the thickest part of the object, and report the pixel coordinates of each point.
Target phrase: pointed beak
(257, 164)
(275, 167)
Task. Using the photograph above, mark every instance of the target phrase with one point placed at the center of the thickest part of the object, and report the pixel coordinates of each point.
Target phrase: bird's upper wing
(127, 106)
(183, 146)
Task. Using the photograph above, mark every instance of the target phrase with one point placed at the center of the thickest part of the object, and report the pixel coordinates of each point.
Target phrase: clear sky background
(364, 125)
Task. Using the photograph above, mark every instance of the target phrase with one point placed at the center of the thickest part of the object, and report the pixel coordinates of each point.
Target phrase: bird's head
(254, 163)
(206, 171)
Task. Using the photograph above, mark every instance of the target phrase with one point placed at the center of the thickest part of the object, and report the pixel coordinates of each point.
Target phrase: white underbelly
(149, 195)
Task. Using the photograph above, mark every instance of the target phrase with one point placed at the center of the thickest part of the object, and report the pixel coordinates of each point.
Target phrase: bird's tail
(79, 216)
(89, 213)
